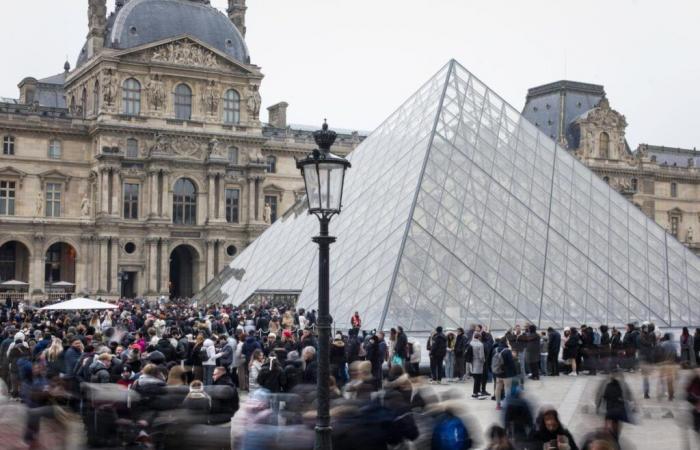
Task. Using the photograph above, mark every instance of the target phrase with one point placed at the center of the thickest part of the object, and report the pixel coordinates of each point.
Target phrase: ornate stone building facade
(146, 169)
(663, 182)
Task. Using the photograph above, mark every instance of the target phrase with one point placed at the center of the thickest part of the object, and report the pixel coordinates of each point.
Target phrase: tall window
(96, 98)
(674, 190)
(132, 97)
(132, 148)
(634, 185)
(183, 102)
(232, 107)
(53, 200)
(271, 164)
(233, 155)
(8, 145)
(604, 145)
(232, 203)
(131, 201)
(55, 149)
(272, 201)
(674, 225)
(185, 202)
(7, 198)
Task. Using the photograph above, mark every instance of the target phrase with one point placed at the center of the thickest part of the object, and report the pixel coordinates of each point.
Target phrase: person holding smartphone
(550, 434)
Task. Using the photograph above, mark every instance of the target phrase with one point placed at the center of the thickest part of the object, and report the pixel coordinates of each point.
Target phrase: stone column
(37, 267)
(260, 200)
(164, 267)
(114, 266)
(103, 263)
(167, 210)
(221, 199)
(152, 265)
(83, 282)
(153, 191)
(104, 190)
(251, 200)
(211, 270)
(116, 192)
(211, 197)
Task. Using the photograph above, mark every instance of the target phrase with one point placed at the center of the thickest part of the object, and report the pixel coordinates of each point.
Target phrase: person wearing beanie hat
(17, 350)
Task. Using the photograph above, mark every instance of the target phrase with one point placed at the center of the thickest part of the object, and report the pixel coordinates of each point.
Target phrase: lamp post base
(323, 438)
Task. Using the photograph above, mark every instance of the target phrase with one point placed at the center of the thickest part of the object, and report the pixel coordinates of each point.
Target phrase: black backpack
(469, 354)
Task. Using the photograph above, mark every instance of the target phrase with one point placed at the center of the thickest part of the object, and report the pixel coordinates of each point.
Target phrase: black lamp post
(324, 175)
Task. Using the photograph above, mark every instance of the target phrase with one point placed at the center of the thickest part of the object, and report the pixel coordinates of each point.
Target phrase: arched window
(634, 185)
(271, 164)
(96, 98)
(185, 202)
(132, 97)
(183, 102)
(232, 107)
(604, 145)
(233, 155)
(84, 102)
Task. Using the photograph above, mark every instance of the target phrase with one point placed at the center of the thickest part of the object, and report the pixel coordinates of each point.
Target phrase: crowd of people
(172, 375)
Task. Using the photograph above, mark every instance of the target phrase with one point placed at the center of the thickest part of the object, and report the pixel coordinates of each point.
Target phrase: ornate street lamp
(324, 175)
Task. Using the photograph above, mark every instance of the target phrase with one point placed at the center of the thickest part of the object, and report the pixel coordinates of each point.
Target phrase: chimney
(97, 24)
(236, 12)
(277, 115)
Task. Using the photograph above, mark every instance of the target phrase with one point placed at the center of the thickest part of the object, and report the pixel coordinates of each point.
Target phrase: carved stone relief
(184, 53)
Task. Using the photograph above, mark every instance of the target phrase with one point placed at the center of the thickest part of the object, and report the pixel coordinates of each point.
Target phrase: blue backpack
(450, 434)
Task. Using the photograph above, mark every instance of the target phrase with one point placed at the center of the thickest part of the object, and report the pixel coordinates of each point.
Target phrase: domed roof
(141, 22)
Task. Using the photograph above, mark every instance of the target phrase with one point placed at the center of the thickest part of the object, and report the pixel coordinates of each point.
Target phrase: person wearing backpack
(99, 369)
(503, 368)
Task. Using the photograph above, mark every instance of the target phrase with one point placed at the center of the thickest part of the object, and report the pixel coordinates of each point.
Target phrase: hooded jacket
(542, 435)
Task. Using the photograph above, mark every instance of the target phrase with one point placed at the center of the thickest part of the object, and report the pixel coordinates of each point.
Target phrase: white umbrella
(63, 284)
(79, 304)
(14, 283)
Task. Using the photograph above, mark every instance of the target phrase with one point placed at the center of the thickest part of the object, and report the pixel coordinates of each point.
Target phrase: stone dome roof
(140, 22)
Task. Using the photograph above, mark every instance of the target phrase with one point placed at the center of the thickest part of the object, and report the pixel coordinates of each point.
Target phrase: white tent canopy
(63, 284)
(79, 304)
(13, 283)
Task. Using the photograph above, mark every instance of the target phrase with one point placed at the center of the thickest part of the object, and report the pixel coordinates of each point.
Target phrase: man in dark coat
(224, 397)
(553, 348)
(401, 345)
(532, 351)
(438, 350)
(460, 350)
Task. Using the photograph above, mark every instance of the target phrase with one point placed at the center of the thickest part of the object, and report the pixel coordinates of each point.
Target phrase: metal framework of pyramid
(457, 210)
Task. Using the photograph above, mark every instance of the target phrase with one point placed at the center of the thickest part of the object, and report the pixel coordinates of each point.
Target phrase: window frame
(271, 164)
(55, 149)
(231, 150)
(230, 217)
(181, 101)
(96, 98)
(674, 189)
(131, 97)
(675, 222)
(53, 192)
(184, 205)
(604, 152)
(129, 154)
(8, 145)
(273, 206)
(232, 107)
(8, 197)
(130, 201)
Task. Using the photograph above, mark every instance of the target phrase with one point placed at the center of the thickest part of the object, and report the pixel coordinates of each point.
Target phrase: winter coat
(99, 373)
(460, 345)
(477, 366)
(509, 368)
(554, 344)
(166, 348)
(226, 358)
(543, 436)
(532, 347)
(401, 347)
(211, 353)
(293, 374)
(249, 346)
(338, 358)
(438, 348)
(688, 348)
(253, 376)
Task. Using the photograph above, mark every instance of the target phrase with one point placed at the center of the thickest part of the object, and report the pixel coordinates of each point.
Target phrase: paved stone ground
(661, 424)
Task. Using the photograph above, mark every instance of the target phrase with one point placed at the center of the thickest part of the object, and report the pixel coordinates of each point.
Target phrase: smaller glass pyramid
(457, 210)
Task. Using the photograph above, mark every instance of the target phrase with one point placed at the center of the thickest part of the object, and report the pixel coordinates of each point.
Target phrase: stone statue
(85, 206)
(156, 92)
(210, 99)
(267, 214)
(689, 235)
(213, 148)
(109, 86)
(39, 203)
(162, 144)
(254, 102)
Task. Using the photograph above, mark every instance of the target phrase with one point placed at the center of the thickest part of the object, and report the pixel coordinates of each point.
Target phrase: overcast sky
(355, 61)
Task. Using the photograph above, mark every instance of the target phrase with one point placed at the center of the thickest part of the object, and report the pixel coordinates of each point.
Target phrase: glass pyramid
(457, 210)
